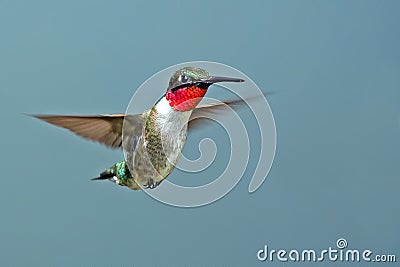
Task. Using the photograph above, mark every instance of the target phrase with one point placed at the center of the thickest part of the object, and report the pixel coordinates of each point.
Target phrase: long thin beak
(216, 79)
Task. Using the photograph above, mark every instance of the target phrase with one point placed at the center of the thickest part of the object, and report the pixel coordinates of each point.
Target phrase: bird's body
(157, 150)
(152, 141)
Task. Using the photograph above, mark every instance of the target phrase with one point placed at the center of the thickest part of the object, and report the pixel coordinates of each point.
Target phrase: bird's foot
(151, 184)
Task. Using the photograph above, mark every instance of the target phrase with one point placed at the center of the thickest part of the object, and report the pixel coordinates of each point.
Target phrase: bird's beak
(216, 79)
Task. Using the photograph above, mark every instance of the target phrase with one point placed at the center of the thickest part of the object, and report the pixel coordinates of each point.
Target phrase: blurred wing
(105, 129)
(205, 111)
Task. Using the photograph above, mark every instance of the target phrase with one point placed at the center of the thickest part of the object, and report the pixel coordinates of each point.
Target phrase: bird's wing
(209, 110)
(105, 129)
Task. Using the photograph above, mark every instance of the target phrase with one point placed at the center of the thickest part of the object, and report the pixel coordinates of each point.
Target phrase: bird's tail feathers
(103, 176)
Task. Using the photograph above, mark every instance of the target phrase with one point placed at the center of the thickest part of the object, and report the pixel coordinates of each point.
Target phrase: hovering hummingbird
(153, 140)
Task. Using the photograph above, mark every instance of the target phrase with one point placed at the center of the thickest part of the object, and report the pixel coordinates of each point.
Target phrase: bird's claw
(151, 184)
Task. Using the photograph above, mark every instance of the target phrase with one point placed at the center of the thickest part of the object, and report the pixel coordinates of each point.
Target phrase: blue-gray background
(334, 67)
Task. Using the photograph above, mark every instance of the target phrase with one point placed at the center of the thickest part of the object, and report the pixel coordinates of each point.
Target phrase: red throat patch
(185, 99)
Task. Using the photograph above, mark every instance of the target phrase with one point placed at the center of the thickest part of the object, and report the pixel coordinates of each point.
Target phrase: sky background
(334, 68)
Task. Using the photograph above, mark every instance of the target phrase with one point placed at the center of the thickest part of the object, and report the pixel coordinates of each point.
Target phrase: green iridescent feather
(121, 175)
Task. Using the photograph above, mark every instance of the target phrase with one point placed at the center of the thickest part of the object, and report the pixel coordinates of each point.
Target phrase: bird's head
(188, 85)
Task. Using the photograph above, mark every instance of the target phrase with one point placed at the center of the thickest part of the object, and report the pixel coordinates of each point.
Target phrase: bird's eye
(184, 78)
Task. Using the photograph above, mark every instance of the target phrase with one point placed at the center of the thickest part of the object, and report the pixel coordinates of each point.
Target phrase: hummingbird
(153, 140)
